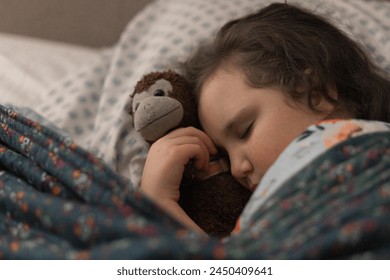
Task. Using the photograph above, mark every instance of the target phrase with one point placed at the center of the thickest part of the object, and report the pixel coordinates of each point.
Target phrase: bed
(67, 150)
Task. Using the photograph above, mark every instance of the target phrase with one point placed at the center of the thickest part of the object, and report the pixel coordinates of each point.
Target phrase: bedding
(315, 140)
(91, 102)
(29, 66)
(57, 201)
(79, 119)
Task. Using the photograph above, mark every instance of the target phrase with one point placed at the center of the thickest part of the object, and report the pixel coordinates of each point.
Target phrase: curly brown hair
(303, 54)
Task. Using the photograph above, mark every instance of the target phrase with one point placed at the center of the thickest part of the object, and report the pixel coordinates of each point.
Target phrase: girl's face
(253, 125)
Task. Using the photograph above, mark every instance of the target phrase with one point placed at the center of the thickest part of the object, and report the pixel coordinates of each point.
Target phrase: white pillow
(168, 30)
(92, 105)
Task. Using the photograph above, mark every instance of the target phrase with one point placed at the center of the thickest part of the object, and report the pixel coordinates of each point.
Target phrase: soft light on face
(253, 125)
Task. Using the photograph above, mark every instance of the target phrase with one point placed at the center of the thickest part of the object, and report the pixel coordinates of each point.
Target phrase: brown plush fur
(215, 203)
(179, 86)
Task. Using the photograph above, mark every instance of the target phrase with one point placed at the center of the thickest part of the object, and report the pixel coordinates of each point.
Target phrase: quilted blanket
(91, 102)
(58, 201)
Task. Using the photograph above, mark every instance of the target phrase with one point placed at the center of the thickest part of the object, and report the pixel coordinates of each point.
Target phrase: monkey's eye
(159, 92)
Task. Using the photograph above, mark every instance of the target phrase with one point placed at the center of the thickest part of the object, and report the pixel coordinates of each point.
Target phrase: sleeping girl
(260, 84)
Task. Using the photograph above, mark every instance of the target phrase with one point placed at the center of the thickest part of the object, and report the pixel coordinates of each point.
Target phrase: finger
(191, 131)
(174, 149)
(194, 152)
(203, 159)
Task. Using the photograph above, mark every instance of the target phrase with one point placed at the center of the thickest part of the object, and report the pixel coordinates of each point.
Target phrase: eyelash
(246, 132)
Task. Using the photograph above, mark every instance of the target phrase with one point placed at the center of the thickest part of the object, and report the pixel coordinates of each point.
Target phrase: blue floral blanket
(58, 201)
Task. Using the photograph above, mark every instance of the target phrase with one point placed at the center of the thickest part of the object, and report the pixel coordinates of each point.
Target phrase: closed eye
(246, 131)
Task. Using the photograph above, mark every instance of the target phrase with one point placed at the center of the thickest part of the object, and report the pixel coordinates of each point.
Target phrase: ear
(322, 104)
(322, 99)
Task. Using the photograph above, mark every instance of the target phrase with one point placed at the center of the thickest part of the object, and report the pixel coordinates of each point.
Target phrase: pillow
(92, 104)
(168, 31)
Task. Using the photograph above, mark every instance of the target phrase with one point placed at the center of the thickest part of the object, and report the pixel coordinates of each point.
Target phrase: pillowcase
(92, 104)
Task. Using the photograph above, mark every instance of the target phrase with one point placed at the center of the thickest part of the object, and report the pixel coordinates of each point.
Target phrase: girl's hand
(166, 160)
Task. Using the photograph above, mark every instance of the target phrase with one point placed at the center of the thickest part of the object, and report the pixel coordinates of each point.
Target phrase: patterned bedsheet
(58, 201)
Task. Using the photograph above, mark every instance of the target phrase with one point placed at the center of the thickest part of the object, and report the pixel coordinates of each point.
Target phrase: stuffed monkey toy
(161, 102)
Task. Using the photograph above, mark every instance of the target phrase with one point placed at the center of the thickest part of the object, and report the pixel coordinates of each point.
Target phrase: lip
(253, 187)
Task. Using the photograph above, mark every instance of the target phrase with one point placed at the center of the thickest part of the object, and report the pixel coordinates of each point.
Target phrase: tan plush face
(161, 102)
(155, 113)
(159, 88)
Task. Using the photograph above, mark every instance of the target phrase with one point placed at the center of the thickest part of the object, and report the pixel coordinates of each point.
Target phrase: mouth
(252, 187)
(156, 116)
(163, 117)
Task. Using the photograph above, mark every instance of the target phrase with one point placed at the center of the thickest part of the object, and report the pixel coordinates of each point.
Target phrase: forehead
(223, 85)
(220, 97)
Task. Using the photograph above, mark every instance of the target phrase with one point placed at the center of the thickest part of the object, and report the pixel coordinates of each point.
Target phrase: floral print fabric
(314, 141)
(58, 201)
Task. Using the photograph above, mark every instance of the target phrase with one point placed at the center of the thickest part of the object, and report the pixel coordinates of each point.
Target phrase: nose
(240, 166)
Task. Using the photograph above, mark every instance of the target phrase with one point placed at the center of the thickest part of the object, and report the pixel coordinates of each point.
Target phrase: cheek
(263, 157)
(266, 148)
